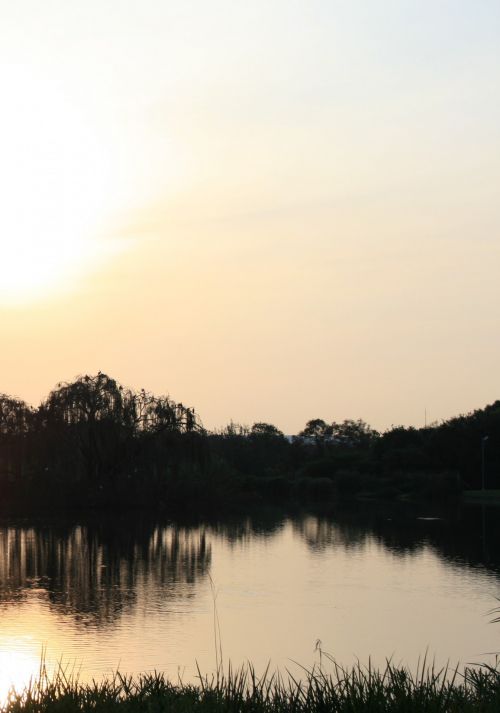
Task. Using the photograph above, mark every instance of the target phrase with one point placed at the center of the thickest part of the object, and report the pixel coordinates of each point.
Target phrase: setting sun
(54, 177)
(35, 264)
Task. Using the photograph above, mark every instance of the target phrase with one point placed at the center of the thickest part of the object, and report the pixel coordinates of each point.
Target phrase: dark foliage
(94, 443)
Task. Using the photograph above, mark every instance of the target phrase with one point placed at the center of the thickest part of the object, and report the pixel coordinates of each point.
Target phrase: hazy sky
(272, 210)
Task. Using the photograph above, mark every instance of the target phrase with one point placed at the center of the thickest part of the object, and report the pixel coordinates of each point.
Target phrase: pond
(137, 594)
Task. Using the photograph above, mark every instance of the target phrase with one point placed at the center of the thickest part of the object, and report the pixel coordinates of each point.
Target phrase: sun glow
(54, 178)
(19, 663)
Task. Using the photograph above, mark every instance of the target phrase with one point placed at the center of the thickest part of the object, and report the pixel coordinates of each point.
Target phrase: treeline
(94, 443)
(352, 459)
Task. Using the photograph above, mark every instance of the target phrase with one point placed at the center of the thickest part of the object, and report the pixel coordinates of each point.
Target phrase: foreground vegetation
(362, 690)
(93, 443)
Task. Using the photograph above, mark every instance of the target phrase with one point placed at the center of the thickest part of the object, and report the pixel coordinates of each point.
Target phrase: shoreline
(325, 687)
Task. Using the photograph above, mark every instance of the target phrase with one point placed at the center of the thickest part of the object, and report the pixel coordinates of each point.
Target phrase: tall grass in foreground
(344, 691)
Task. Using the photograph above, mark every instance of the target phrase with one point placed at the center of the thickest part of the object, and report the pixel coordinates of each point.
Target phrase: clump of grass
(336, 690)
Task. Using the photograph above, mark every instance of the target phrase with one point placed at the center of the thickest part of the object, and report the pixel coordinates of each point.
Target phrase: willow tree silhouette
(93, 435)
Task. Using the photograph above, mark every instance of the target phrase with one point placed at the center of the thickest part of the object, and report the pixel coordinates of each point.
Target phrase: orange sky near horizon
(275, 212)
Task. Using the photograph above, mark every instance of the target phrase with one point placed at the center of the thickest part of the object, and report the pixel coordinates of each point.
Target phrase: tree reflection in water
(93, 572)
(462, 535)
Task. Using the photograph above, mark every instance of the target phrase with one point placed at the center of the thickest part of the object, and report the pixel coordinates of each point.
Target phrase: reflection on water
(140, 594)
(94, 573)
(468, 536)
(17, 666)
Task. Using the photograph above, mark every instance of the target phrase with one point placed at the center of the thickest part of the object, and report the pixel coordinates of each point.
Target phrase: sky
(272, 211)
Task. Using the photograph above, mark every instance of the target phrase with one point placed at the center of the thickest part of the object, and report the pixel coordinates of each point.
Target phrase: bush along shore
(360, 689)
(94, 443)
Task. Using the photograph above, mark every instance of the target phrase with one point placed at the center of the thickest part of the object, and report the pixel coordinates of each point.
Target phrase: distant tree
(93, 418)
(318, 430)
(354, 433)
(266, 430)
(15, 416)
(89, 399)
(16, 422)
(155, 414)
(235, 430)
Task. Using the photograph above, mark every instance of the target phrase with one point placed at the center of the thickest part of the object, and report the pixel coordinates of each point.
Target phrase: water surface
(142, 595)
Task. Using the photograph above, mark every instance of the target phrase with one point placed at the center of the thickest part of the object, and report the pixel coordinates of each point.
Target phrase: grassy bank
(336, 691)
